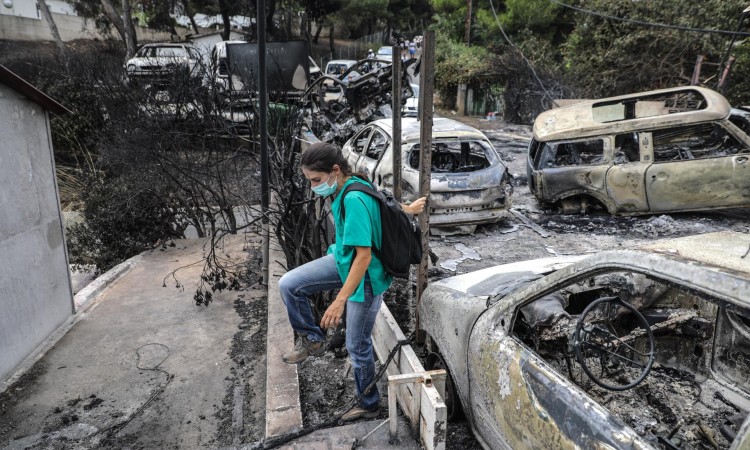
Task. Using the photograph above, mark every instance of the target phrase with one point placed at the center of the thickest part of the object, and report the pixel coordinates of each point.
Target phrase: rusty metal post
(695, 79)
(426, 87)
(263, 122)
(722, 87)
(396, 105)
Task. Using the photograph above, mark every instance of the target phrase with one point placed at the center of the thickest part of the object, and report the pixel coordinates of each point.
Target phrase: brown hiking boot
(359, 412)
(303, 349)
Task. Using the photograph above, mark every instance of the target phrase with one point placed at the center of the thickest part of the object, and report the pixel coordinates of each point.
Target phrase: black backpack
(402, 238)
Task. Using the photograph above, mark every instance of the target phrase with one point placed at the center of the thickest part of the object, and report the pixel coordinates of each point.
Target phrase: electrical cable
(531, 67)
(111, 431)
(333, 421)
(649, 24)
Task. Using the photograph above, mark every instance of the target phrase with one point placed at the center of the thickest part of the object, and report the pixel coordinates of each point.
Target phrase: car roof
(578, 121)
(169, 44)
(442, 128)
(342, 61)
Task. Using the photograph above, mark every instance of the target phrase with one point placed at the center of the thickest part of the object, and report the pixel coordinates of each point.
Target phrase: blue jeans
(321, 275)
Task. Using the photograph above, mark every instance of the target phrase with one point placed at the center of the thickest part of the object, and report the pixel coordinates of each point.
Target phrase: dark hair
(322, 156)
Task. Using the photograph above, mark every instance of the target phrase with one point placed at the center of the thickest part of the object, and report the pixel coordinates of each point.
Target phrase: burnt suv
(678, 149)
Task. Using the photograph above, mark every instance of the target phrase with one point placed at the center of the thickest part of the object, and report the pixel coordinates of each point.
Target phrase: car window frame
(726, 127)
(386, 142)
(355, 149)
(542, 153)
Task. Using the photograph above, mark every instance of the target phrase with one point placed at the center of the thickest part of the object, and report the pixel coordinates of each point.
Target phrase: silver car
(626, 349)
(470, 184)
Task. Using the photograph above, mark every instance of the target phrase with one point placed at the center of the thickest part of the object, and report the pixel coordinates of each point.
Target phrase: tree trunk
(114, 18)
(467, 32)
(270, 11)
(225, 18)
(317, 32)
(186, 5)
(308, 30)
(130, 38)
(53, 29)
(289, 19)
(331, 39)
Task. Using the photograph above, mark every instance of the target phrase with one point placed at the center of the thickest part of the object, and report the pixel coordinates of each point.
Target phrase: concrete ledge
(86, 296)
(82, 301)
(283, 410)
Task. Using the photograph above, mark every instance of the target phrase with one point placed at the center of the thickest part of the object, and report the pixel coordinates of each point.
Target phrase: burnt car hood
(468, 181)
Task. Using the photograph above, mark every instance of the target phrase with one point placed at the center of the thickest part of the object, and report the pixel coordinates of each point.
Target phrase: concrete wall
(70, 28)
(35, 290)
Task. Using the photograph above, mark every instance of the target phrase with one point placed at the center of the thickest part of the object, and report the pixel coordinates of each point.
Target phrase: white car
(469, 184)
(160, 61)
(411, 108)
(385, 53)
(337, 68)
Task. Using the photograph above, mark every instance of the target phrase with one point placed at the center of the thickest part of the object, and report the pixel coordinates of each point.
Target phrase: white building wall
(70, 28)
(35, 288)
(21, 8)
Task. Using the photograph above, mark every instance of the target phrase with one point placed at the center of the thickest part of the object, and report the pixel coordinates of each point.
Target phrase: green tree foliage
(608, 57)
(458, 63)
(125, 215)
(362, 16)
(450, 18)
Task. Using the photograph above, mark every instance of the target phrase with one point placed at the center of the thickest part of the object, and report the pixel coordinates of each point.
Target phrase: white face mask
(324, 189)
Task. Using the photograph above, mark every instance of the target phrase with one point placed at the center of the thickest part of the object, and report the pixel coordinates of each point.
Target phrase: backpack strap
(367, 189)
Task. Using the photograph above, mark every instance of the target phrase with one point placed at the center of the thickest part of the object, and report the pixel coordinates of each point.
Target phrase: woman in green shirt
(350, 266)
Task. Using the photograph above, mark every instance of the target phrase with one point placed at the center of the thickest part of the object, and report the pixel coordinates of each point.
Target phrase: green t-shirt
(362, 228)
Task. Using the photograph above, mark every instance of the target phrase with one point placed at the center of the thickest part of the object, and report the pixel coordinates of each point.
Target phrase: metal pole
(722, 64)
(396, 105)
(263, 121)
(426, 87)
(725, 75)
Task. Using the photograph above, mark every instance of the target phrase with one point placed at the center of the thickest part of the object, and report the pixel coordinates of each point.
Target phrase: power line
(546, 93)
(650, 24)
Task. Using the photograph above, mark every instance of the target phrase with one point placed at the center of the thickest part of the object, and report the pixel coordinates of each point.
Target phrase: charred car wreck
(679, 149)
(469, 185)
(334, 117)
(627, 349)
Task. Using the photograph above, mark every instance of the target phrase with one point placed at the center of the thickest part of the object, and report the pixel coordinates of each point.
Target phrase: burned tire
(452, 402)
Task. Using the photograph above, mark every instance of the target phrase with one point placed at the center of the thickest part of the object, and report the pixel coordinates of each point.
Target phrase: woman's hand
(332, 316)
(416, 207)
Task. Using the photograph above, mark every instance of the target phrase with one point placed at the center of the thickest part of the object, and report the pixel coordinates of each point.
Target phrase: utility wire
(648, 24)
(531, 67)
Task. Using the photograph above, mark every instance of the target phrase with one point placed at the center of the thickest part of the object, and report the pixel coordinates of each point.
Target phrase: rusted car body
(626, 349)
(470, 184)
(679, 149)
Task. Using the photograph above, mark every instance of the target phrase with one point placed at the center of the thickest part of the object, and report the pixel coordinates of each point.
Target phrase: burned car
(679, 149)
(366, 97)
(470, 184)
(626, 349)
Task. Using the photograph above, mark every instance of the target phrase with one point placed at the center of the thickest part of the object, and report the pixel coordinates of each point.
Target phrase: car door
(567, 168)
(518, 401)
(372, 155)
(626, 178)
(698, 167)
